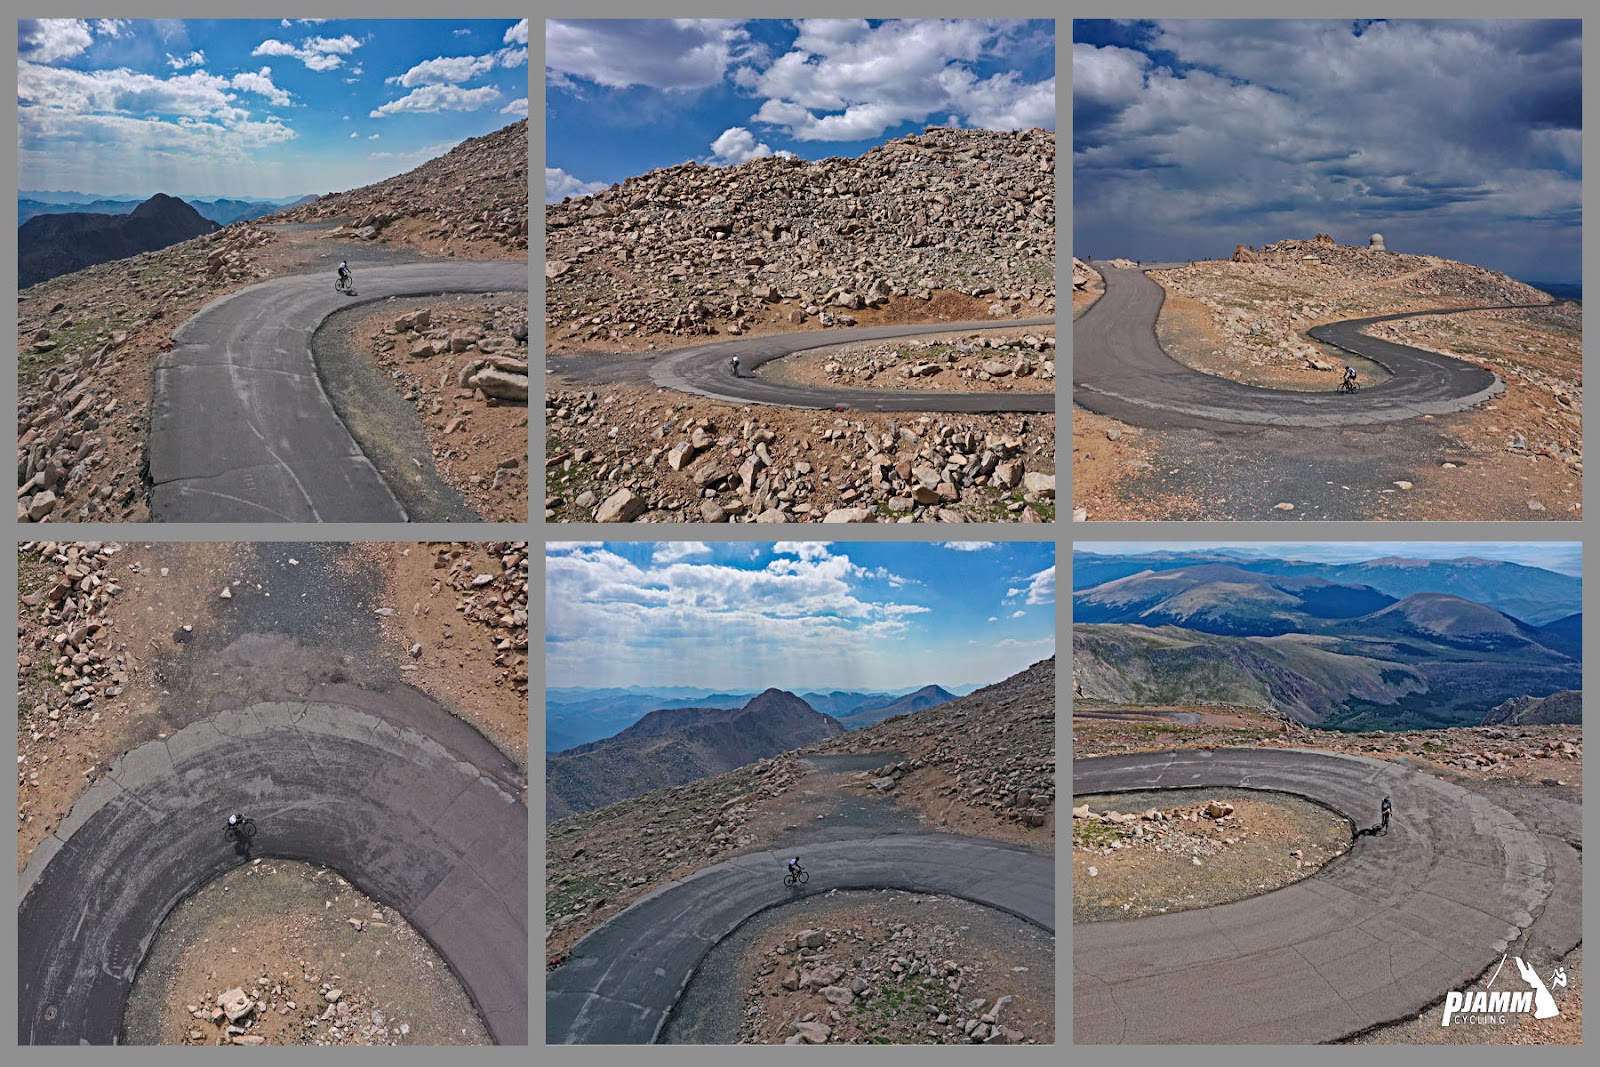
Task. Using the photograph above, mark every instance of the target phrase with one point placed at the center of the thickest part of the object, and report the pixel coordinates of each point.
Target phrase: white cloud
(111, 27)
(260, 82)
(439, 98)
(1042, 586)
(317, 53)
(558, 185)
(121, 91)
(451, 69)
(967, 546)
(737, 145)
(994, 618)
(373, 137)
(516, 107)
(354, 134)
(48, 40)
(1018, 614)
(461, 32)
(193, 59)
(844, 79)
(672, 551)
(658, 53)
(517, 34)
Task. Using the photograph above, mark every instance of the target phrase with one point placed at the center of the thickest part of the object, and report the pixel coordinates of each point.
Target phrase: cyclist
(1388, 808)
(1349, 377)
(344, 274)
(794, 866)
(734, 363)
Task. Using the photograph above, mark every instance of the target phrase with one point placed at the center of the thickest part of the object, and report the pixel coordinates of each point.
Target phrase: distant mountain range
(576, 716)
(673, 746)
(1328, 653)
(52, 245)
(221, 210)
(1531, 594)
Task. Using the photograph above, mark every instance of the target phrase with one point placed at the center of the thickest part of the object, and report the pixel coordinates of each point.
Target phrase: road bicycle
(797, 877)
(1349, 385)
(345, 283)
(240, 834)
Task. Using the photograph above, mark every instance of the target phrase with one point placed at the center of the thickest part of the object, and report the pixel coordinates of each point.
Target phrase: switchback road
(1374, 937)
(1121, 371)
(241, 429)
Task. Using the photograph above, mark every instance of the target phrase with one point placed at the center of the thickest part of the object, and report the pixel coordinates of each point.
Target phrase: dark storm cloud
(1447, 136)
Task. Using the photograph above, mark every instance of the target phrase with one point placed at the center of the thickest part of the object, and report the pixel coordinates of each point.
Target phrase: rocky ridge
(472, 201)
(694, 250)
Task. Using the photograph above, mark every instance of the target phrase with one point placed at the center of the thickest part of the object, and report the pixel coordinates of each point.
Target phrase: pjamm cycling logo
(1489, 1005)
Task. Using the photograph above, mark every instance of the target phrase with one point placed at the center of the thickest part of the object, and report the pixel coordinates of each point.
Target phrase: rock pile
(496, 363)
(694, 249)
(997, 361)
(73, 639)
(890, 982)
(304, 1008)
(1194, 830)
(496, 601)
(473, 200)
(617, 462)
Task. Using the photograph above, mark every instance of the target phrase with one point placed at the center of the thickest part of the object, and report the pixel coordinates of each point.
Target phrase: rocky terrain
(678, 745)
(1564, 707)
(462, 365)
(87, 341)
(51, 245)
(883, 980)
(693, 250)
(992, 361)
(470, 202)
(1174, 850)
(629, 454)
(981, 765)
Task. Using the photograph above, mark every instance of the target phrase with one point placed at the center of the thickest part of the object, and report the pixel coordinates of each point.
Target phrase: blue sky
(624, 97)
(268, 108)
(1564, 557)
(1457, 138)
(796, 615)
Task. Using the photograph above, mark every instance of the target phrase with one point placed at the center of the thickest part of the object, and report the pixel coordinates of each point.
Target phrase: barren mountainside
(472, 201)
(52, 245)
(696, 249)
(677, 745)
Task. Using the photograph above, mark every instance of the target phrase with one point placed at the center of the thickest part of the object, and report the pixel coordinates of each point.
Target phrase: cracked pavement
(410, 804)
(241, 429)
(620, 983)
(1120, 370)
(1376, 936)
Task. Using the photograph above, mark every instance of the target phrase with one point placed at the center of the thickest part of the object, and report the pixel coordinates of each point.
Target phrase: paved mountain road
(1376, 936)
(620, 983)
(704, 371)
(411, 805)
(241, 429)
(1120, 370)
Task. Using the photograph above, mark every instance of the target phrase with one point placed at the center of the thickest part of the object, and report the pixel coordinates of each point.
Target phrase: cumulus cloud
(558, 185)
(516, 107)
(1191, 136)
(193, 59)
(451, 69)
(1042, 587)
(679, 54)
(737, 145)
(967, 546)
(49, 40)
(439, 98)
(672, 551)
(317, 53)
(517, 34)
(260, 82)
(847, 80)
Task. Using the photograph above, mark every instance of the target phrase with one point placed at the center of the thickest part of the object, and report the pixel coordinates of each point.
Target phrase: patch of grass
(900, 1009)
(560, 901)
(1087, 833)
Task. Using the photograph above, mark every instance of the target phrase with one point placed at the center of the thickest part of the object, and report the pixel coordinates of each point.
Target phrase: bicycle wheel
(249, 829)
(788, 879)
(804, 877)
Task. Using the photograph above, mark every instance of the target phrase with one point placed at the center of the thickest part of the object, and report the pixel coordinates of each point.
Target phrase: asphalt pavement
(1120, 370)
(241, 429)
(704, 370)
(410, 804)
(1375, 936)
(619, 984)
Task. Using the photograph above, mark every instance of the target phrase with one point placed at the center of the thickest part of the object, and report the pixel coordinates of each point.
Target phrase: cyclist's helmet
(233, 820)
